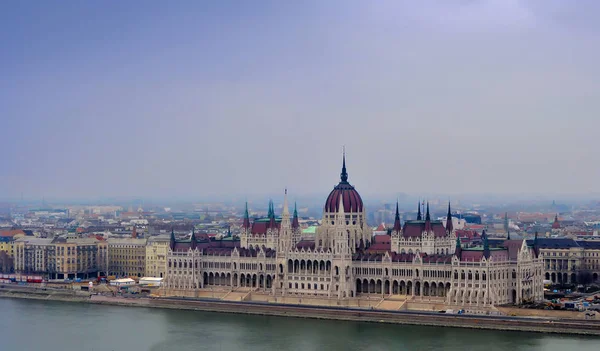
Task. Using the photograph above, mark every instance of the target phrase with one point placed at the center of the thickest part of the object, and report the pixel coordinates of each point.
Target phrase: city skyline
(205, 100)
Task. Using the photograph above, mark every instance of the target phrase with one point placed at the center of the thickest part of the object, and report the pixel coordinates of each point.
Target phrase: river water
(57, 326)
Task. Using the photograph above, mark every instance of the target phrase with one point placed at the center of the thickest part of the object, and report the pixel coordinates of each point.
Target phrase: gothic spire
(427, 219)
(193, 239)
(419, 211)
(172, 241)
(246, 217)
(449, 226)
(285, 211)
(295, 223)
(341, 209)
(397, 227)
(486, 244)
(344, 174)
(271, 214)
(458, 248)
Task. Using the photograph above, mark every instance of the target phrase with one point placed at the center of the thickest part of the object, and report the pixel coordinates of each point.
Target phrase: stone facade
(61, 258)
(424, 259)
(127, 257)
(156, 256)
(567, 261)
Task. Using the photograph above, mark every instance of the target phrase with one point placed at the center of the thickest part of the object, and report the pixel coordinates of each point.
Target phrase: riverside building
(423, 260)
(61, 258)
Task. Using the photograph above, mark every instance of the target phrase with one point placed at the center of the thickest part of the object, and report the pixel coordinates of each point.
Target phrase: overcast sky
(149, 98)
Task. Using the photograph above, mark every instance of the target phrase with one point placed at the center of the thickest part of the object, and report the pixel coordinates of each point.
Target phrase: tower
(285, 229)
(245, 231)
(342, 255)
(449, 225)
(296, 231)
(344, 196)
(396, 231)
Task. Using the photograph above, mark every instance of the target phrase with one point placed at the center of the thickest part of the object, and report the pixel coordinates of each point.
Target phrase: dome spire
(344, 174)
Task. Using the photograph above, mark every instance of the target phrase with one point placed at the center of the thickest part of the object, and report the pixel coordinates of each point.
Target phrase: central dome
(349, 195)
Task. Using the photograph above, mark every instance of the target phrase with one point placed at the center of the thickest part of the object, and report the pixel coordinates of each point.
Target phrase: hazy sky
(149, 98)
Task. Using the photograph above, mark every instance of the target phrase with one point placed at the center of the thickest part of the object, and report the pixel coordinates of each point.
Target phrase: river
(58, 326)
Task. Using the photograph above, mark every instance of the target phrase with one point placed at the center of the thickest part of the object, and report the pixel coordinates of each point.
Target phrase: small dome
(351, 198)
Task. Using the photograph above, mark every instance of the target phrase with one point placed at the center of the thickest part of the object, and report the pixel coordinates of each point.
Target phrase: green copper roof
(259, 220)
(310, 230)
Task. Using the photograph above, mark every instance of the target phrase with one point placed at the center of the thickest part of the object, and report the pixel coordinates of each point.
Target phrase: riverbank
(542, 325)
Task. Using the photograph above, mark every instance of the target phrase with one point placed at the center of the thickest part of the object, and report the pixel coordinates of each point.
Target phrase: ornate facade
(423, 260)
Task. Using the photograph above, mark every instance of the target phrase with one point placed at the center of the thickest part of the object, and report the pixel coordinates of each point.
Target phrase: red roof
(351, 198)
(379, 247)
(414, 229)
(470, 234)
(381, 228)
(382, 239)
(11, 233)
(260, 227)
(306, 244)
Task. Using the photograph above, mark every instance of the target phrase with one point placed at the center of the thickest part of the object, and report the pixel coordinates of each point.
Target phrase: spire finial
(397, 227)
(285, 210)
(419, 211)
(449, 225)
(427, 217)
(344, 174)
(295, 223)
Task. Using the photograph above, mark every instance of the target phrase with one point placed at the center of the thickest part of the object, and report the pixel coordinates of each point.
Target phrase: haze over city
(196, 99)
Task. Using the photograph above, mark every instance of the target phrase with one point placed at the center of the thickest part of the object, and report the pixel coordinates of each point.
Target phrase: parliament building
(424, 259)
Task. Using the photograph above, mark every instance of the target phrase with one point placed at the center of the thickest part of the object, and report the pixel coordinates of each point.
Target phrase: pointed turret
(397, 227)
(486, 244)
(419, 211)
(449, 225)
(271, 214)
(295, 222)
(172, 241)
(556, 223)
(344, 174)
(285, 210)
(193, 239)
(506, 222)
(458, 249)
(341, 210)
(246, 218)
(427, 219)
